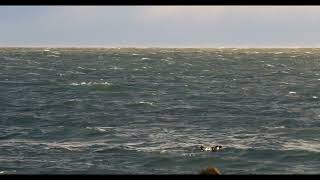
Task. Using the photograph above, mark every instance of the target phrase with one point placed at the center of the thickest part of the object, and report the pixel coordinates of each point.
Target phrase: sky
(160, 26)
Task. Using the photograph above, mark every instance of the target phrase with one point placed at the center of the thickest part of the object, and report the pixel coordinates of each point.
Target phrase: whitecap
(292, 92)
(134, 54)
(278, 52)
(71, 146)
(116, 68)
(312, 146)
(74, 84)
(145, 102)
(31, 73)
(55, 52)
(100, 129)
(287, 83)
(314, 97)
(90, 83)
(7, 172)
(74, 100)
(52, 55)
(145, 58)
(269, 65)
(279, 127)
(105, 83)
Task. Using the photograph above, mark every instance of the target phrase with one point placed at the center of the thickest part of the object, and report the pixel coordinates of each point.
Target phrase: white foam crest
(287, 83)
(278, 52)
(145, 58)
(292, 92)
(31, 73)
(51, 55)
(269, 65)
(116, 68)
(274, 127)
(312, 146)
(90, 83)
(168, 61)
(55, 52)
(7, 172)
(279, 127)
(71, 145)
(100, 129)
(238, 143)
(145, 102)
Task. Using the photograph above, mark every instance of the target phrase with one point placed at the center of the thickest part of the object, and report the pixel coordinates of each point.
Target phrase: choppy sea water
(146, 111)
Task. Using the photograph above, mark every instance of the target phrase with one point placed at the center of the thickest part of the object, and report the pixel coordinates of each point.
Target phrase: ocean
(147, 111)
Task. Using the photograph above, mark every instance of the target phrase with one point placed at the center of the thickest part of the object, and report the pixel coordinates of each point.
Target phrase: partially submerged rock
(210, 171)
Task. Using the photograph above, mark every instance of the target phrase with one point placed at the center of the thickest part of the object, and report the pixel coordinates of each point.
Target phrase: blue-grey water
(146, 111)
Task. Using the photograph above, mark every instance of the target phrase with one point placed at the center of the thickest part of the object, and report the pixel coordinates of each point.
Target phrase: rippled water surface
(146, 111)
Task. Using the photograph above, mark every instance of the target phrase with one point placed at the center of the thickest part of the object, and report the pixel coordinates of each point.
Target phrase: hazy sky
(166, 26)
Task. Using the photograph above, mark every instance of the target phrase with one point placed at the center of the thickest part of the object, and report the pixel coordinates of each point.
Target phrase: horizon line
(162, 47)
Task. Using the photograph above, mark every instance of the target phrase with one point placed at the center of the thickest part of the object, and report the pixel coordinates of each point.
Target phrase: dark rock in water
(210, 171)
